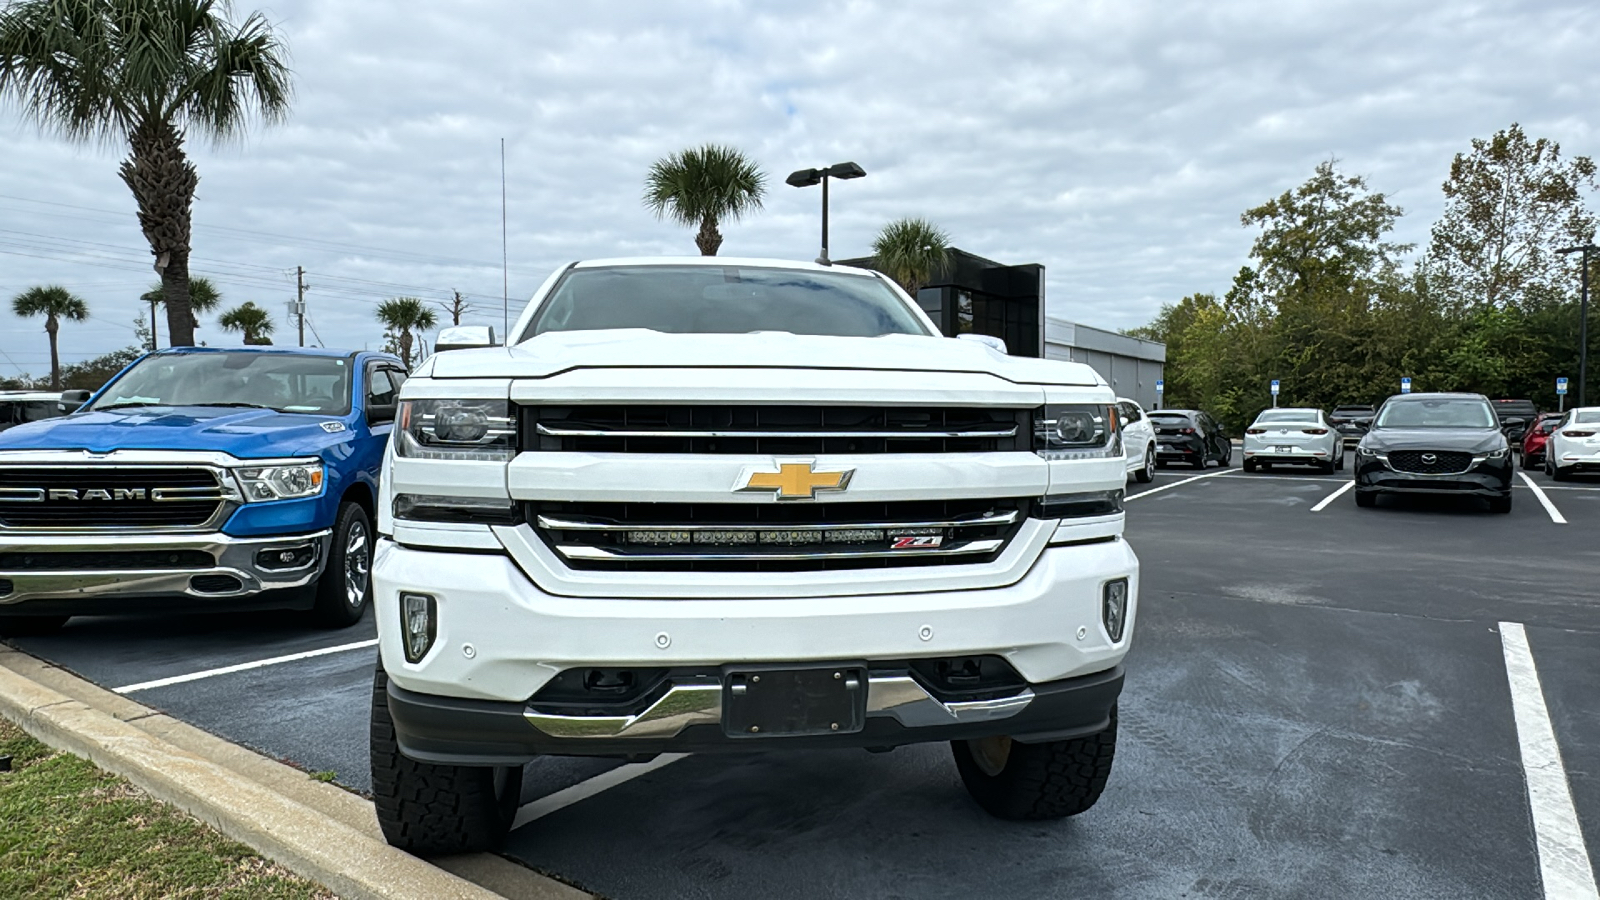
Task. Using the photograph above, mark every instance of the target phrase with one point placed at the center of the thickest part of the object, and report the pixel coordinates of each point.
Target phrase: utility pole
(153, 344)
(300, 301)
(1583, 318)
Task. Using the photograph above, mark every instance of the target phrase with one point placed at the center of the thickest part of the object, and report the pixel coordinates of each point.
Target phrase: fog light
(1114, 607)
(419, 615)
(281, 559)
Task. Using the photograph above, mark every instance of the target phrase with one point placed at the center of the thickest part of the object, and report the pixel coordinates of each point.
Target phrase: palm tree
(148, 72)
(203, 298)
(250, 319)
(702, 186)
(402, 315)
(911, 251)
(54, 303)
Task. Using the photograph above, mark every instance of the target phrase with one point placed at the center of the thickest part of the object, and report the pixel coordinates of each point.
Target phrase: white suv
(718, 504)
(1138, 440)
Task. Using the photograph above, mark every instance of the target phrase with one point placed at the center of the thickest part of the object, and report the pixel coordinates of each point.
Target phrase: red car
(1538, 434)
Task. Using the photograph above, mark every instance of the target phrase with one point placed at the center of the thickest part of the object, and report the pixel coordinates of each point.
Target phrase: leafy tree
(703, 186)
(250, 319)
(55, 303)
(1510, 202)
(404, 315)
(911, 251)
(148, 72)
(203, 298)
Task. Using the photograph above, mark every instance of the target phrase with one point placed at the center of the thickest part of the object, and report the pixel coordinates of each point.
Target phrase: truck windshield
(1442, 413)
(297, 384)
(724, 300)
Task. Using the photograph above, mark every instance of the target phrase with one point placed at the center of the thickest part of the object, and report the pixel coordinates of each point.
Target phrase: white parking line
(242, 667)
(1168, 487)
(583, 790)
(1563, 859)
(1555, 514)
(1333, 496)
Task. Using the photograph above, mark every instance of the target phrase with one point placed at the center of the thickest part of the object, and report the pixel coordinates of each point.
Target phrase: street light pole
(809, 177)
(1583, 319)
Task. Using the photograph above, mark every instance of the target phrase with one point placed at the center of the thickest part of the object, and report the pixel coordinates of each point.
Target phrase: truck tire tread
(1051, 780)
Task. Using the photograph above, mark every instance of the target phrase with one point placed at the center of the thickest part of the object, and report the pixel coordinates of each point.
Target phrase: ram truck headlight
(455, 429)
(1076, 431)
(290, 482)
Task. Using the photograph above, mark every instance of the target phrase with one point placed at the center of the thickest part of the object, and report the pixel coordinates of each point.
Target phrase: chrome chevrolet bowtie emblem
(794, 481)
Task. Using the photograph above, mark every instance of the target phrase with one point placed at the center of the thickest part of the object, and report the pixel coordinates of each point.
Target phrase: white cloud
(1115, 142)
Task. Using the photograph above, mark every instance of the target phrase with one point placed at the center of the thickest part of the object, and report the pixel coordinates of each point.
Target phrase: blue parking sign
(1161, 385)
(1405, 385)
(1274, 387)
(1561, 385)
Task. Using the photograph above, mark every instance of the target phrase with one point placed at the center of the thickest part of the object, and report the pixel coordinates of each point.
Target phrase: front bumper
(96, 577)
(452, 731)
(1491, 479)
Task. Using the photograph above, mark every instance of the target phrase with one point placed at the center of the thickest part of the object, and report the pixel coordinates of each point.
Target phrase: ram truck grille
(775, 430)
(109, 498)
(748, 537)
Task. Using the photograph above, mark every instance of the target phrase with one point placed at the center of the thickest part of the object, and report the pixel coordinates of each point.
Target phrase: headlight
(1497, 454)
(1363, 451)
(455, 429)
(1076, 431)
(281, 482)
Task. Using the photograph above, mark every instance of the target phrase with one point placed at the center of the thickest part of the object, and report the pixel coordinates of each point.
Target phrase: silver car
(1294, 437)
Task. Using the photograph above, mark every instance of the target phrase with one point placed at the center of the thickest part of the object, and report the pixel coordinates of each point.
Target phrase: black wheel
(1013, 780)
(1227, 457)
(1500, 505)
(1338, 464)
(1200, 461)
(26, 626)
(346, 584)
(436, 810)
(1147, 472)
(1249, 465)
(1265, 467)
(1366, 499)
(1557, 473)
(1326, 468)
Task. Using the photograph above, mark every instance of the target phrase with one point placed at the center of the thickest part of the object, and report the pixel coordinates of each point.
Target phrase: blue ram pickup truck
(200, 479)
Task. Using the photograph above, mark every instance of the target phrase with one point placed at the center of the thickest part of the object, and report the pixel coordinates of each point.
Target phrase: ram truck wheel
(1052, 780)
(433, 810)
(345, 588)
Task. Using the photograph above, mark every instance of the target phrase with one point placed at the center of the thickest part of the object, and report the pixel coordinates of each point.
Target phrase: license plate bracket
(787, 701)
(1283, 449)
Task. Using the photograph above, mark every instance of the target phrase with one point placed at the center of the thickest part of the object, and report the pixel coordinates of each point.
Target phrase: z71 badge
(916, 541)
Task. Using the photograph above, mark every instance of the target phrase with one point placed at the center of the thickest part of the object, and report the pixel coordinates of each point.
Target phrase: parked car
(1138, 440)
(203, 479)
(1574, 445)
(1292, 436)
(1515, 417)
(1189, 436)
(1435, 444)
(1533, 443)
(1351, 421)
(22, 407)
(815, 522)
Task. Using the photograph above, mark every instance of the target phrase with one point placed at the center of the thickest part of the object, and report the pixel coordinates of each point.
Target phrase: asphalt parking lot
(1318, 705)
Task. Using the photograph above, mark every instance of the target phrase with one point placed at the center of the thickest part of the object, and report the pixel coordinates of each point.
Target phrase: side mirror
(71, 400)
(988, 340)
(1512, 422)
(464, 337)
(381, 415)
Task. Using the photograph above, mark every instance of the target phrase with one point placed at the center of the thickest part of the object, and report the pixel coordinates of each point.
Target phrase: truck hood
(244, 433)
(555, 352)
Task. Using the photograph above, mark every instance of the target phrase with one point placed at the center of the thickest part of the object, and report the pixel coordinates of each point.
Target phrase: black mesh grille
(6, 586)
(215, 584)
(777, 516)
(119, 512)
(1430, 462)
(101, 560)
(911, 430)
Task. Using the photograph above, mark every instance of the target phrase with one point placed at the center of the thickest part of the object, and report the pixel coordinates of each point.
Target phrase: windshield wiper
(236, 404)
(129, 405)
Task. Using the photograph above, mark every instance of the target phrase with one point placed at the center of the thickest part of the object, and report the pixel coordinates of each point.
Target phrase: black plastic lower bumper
(454, 731)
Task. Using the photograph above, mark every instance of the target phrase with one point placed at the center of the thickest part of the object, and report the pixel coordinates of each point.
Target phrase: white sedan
(1294, 437)
(1575, 444)
(1138, 441)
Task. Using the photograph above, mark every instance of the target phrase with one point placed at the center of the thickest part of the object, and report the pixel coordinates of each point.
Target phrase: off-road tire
(1146, 473)
(1052, 780)
(334, 608)
(29, 626)
(1366, 499)
(1500, 505)
(433, 810)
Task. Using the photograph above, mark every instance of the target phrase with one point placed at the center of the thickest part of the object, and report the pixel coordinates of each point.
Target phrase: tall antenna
(505, 264)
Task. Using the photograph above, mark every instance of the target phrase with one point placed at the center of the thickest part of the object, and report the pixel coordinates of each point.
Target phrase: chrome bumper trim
(234, 557)
(699, 702)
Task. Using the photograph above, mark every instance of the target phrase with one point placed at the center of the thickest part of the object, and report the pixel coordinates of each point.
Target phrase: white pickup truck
(710, 505)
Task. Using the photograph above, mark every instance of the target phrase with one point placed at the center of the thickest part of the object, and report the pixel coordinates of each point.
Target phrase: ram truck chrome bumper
(80, 574)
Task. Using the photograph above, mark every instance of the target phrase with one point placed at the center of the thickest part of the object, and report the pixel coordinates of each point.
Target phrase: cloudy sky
(1114, 142)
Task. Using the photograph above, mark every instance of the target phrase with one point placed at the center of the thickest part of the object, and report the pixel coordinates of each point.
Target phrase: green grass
(71, 830)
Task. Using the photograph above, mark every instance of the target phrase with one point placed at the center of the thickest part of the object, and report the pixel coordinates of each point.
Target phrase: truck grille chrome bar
(576, 524)
(549, 431)
(578, 552)
(107, 498)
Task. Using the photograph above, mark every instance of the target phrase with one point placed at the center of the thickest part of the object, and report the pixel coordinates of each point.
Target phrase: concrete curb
(319, 831)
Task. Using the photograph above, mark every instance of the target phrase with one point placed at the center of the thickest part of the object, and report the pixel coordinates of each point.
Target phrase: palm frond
(911, 251)
(713, 181)
(406, 314)
(51, 300)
